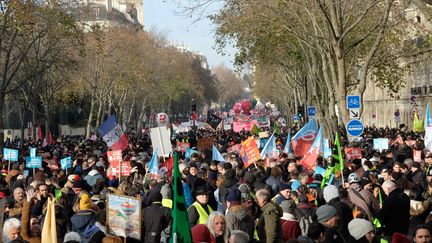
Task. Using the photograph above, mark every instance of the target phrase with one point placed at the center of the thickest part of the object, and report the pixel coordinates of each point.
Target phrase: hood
(239, 212)
(416, 208)
(93, 173)
(83, 218)
(288, 217)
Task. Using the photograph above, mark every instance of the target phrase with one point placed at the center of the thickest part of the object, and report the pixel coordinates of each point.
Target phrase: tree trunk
(141, 114)
(90, 117)
(99, 114)
(2, 103)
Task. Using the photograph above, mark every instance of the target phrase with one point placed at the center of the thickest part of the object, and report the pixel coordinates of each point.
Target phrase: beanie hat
(330, 192)
(200, 233)
(325, 212)
(359, 228)
(284, 186)
(77, 184)
(202, 190)
(85, 203)
(234, 196)
(72, 236)
(154, 197)
(288, 206)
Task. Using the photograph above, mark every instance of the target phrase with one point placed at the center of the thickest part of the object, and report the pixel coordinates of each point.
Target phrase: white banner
(428, 138)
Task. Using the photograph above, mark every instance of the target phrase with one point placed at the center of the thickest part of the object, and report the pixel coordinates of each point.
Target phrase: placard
(66, 163)
(182, 147)
(10, 154)
(205, 143)
(123, 216)
(114, 156)
(114, 168)
(32, 152)
(380, 143)
(34, 162)
(353, 153)
(263, 121)
(247, 126)
(252, 153)
(161, 140)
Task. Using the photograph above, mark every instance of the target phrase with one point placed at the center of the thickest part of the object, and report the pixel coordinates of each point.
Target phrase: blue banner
(10, 154)
(66, 163)
(34, 162)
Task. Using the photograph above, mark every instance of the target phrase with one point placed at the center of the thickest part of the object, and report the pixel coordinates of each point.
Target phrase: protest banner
(247, 126)
(251, 151)
(263, 121)
(120, 167)
(182, 147)
(380, 144)
(66, 163)
(114, 156)
(161, 140)
(353, 153)
(10, 154)
(34, 162)
(123, 216)
(205, 143)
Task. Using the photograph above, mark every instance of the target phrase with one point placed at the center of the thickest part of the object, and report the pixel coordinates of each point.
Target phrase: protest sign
(182, 147)
(114, 156)
(161, 140)
(247, 126)
(380, 143)
(264, 134)
(263, 121)
(32, 152)
(122, 167)
(123, 216)
(34, 162)
(417, 155)
(252, 153)
(53, 165)
(10, 154)
(66, 163)
(353, 153)
(205, 143)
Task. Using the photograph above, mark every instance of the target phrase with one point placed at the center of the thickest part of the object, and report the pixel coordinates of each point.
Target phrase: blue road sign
(296, 118)
(311, 111)
(353, 102)
(355, 128)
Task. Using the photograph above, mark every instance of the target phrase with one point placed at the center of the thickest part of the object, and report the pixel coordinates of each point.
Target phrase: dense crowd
(384, 196)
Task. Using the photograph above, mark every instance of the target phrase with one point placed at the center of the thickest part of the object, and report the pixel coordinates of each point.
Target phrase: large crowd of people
(385, 196)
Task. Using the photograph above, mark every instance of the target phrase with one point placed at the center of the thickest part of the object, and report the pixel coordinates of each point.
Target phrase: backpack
(304, 224)
(90, 230)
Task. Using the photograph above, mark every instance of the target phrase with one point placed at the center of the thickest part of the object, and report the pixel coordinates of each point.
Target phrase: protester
(199, 211)
(268, 226)
(217, 225)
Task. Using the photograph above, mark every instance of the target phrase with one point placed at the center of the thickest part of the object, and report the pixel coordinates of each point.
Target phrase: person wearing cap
(328, 216)
(284, 193)
(200, 234)
(156, 218)
(361, 230)
(363, 199)
(289, 224)
(332, 197)
(199, 211)
(238, 216)
(85, 216)
(268, 227)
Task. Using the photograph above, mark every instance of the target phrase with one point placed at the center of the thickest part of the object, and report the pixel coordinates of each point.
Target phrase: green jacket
(269, 228)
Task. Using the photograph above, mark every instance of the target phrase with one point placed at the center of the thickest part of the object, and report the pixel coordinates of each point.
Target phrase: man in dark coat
(332, 198)
(269, 227)
(156, 219)
(229, 184)
(395, 211)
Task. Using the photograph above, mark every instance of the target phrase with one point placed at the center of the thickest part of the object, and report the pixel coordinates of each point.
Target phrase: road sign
(296, 118)
(353, 102)
(354, 113)
(355, 128)
(311, 111)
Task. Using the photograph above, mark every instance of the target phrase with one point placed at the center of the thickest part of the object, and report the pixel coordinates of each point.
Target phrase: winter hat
(284, 186)
(288, 206)
(416, 165)
(154, 197)
(100, 164)
(200, 233)
(330, 192)
(85, 203)
(359, 228)
(234, 196)
(77, 184)
(244, 188)
(201, 191)
(72, 236)
(325, 212)
(246, 197)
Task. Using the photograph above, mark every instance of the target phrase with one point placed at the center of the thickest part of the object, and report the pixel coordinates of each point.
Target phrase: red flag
(39, 133)
(194, 116)
(121, 144)
(50, 138)
(167, 166)
(310, 158)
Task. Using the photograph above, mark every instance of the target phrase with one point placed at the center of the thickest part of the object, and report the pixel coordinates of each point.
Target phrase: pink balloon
(237, 108)
(246, 106)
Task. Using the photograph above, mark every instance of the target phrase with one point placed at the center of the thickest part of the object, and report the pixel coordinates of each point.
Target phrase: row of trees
(49, 62)
(316, 52)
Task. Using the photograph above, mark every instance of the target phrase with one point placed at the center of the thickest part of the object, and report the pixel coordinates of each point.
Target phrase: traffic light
(300, 111)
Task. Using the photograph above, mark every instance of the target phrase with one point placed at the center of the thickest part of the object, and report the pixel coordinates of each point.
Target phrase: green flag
(255, 130)
(180, 226)
(328, 172)
(276, 129)
(338, 154)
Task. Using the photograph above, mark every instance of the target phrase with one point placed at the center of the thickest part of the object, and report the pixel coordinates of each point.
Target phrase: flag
(287, 148)
(304, 138)
(270, 149)
(276, 128)
(255, 130)
(309, 159)
(189, 152)
(167, 167)
(50, 138)
(337, 154)
(328, 174)
(180, 231)
(327, 150)
(213, 120)
(113, 135)
(39, 133)
(194, 116)
(428, 138)
(418, 126)
(216, 155)
(428, 118)
(154, 165)
(49, 230)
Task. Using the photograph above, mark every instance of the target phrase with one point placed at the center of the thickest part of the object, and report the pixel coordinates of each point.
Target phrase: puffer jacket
(239, 218)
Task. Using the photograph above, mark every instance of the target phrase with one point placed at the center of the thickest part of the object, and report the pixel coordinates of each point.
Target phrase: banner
(123, 216)
(161, 140)
(34, 162)
(66, 163)
(205, 143)
(182, 147)
(10, 154)
(114, 156)
(213, 120)
(247, 126)
(353, 153)
(263, 121)
(251, 151)
(115, 168)
(380, 143)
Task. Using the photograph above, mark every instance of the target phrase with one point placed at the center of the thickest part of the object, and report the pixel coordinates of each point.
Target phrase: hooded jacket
(92, 177)
(239, 218)
(82, 221)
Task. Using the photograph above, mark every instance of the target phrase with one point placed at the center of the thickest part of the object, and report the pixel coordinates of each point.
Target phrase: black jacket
(345, 214)
(395, 213)
(156, 218)
(227, 186)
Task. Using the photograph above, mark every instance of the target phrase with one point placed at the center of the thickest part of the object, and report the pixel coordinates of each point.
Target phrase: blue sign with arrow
(355, 128)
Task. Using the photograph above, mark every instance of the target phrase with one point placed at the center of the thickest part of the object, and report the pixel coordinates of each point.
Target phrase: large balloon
(162, 119)
(246, 106)
(237, 108)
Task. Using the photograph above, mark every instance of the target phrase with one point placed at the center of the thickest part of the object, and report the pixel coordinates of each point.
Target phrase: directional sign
(354, 113)
(355, 128)
(311, 111)
(353, 102)
(296, 118)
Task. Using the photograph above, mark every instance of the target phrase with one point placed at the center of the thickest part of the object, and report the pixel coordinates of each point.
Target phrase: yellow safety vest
(203, 216)
(167, 203)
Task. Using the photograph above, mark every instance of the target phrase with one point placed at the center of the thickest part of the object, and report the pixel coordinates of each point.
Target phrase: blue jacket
(83, 222)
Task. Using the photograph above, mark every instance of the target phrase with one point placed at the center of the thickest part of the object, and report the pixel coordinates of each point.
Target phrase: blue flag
(287, 148)
(270, 150)
(154, 164)
(189, 152)
(216, 155)
(327, 150)
(428, 118)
